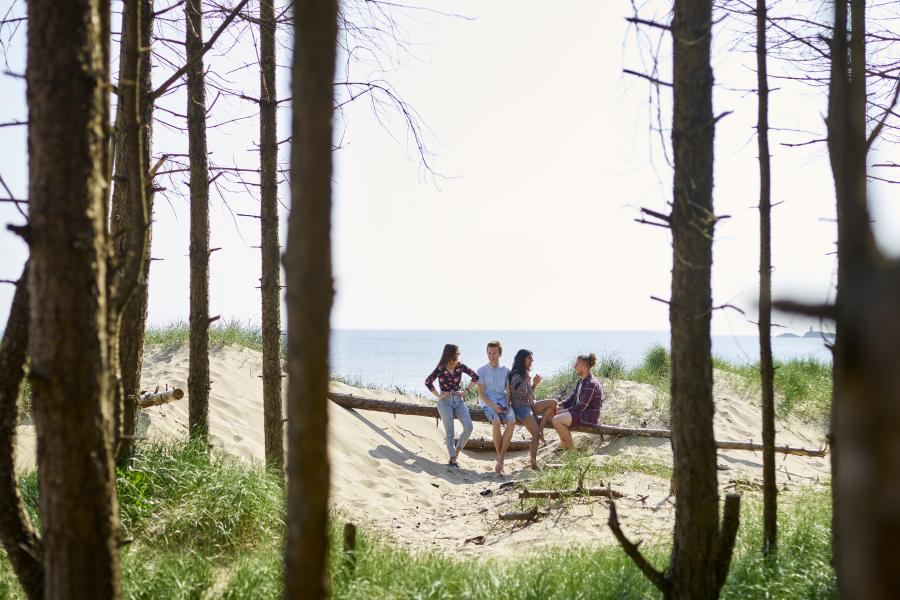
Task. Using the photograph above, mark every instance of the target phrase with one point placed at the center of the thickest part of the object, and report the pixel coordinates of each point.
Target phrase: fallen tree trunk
(156, 398)
(553, 494)
(424, 410)
(485, 445)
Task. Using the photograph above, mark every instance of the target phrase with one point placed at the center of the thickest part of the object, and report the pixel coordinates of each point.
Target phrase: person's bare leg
(547, 413)
(561, 423)
(507, 438)
(497, 443)
(532, 427)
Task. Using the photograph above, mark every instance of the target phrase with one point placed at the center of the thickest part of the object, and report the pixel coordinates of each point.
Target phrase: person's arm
(570, 401)
(472, 374)
(429, 382)
(587, 396)
(484, 397)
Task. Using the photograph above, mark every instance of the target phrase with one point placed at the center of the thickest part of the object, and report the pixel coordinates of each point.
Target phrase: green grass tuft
(211, 527)
(221, 333)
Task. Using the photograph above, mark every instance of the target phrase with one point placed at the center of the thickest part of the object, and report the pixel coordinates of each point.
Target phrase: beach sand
(389, 473)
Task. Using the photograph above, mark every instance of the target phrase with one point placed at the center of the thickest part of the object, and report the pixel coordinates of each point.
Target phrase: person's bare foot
(498, 468)
(534, 466)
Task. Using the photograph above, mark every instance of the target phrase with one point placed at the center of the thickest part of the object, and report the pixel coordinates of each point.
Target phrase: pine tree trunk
(309, 298)
(692, 567)
(16, 531)
(68, 85)
(271, 276)
(766, 368)
(198, 376)
(130, 231)
(866, 398)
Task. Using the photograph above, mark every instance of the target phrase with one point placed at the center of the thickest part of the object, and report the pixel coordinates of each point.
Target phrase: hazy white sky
(544, 157)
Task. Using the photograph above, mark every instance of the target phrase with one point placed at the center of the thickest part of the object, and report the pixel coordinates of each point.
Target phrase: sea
(403, 358)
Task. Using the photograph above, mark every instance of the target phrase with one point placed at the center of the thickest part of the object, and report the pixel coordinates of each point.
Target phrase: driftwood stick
(528, 515)
(157, 398)
(425, 410)
(634, 553)
(602, 492)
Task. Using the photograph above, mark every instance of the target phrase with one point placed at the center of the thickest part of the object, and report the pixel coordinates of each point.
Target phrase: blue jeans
(449, 408)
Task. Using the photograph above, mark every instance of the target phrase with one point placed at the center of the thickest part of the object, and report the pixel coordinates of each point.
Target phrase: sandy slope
(389, 472)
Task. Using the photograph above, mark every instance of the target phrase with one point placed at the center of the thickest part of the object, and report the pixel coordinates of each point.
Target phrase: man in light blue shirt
(492, 396)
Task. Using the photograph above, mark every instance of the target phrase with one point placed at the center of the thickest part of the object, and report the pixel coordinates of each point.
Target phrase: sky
(541, 155)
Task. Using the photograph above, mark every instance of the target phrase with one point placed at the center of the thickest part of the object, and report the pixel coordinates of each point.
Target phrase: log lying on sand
(553, 494)
(528, 515)
(485, 445)
(149, 399)
(423, 410)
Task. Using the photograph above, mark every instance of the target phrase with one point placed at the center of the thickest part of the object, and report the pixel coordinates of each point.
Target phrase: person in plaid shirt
(583, 406)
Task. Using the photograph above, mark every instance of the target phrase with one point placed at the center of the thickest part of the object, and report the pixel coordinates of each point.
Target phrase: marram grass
(210, 526)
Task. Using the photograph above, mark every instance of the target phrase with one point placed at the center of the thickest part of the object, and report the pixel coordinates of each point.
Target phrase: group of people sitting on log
(507, 395)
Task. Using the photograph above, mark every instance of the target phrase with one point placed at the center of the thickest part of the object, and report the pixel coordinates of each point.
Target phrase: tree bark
(16, 531)
(692, 567)
(866, 400)
(198, 374)
(309, 298)
(130, 223)
(68, 125)
(270, 286)
(766, 368)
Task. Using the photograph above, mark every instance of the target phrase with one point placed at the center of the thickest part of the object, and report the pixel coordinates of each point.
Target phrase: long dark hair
(448, 354)
(519, 367)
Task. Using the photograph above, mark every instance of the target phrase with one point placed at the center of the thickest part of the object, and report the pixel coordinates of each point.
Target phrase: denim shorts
(523, 412)
(491, 414)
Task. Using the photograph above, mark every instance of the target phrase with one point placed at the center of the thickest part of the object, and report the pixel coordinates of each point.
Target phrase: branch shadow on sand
(400, 455)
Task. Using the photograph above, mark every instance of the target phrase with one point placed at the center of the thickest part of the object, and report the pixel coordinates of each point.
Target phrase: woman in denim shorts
(520, 391)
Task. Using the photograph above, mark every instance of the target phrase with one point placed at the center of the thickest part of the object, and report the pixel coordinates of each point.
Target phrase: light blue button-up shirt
(494, 381)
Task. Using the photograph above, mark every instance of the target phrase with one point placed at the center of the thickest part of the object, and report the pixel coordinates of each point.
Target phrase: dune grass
(221, 333)
(802, 385)
(209, 526)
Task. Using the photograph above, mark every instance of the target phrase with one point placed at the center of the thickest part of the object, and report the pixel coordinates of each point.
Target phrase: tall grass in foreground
(210, 526)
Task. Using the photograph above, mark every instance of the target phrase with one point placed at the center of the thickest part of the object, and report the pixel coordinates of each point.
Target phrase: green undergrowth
(206, 526)
(802, 385)
(569, 469)
(221, 333)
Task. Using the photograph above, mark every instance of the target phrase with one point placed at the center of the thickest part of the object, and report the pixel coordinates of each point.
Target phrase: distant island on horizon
(809, 334)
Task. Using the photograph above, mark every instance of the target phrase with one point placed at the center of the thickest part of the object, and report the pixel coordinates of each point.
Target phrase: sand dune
(389, 472)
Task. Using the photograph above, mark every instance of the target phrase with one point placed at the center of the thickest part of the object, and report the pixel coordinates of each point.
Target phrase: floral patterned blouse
(521, 393)
(449, 382)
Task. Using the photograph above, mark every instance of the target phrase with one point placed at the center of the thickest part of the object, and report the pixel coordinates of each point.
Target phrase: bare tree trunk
(866, 399)
(766, 368)
(309, 298)
(692, 567)
(68, 126)
(130, 226)
(16, 531)
(198, 376)
(271, 277)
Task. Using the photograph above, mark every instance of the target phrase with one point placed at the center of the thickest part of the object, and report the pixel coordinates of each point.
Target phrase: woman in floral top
(448, 373)
(520, 391)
